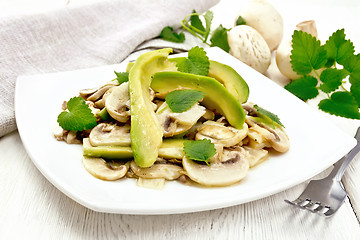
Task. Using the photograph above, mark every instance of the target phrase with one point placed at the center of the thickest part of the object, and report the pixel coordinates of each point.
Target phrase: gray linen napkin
(72, 38)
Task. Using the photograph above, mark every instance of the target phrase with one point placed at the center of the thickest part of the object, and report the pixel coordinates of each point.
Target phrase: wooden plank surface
(34, 209)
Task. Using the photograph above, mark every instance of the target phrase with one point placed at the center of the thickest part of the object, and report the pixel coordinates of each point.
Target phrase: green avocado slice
(169, 149)
(227, 76)
(146, 133)
(231, 80)
(216, 95)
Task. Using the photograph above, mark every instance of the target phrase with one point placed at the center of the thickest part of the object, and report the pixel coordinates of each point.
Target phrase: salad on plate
(164, 119)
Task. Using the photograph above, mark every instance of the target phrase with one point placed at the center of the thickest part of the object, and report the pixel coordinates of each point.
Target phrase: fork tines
(315, 207)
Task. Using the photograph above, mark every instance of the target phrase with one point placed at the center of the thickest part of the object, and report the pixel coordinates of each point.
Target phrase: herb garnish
(273, 117)
(327, 68)
(78, 117)
(169, 34)
(200, 150)
(182, 100)
(122, 77)
(199, 25)
(219, 38)
(196, 63)
(240, 21)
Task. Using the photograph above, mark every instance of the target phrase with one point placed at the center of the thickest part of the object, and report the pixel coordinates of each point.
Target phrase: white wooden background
(31, 208)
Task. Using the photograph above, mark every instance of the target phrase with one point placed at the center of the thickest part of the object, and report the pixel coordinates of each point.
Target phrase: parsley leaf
(182, 100)
(355, 92)
(196, 63)
(338, 48)
(168, 34)
(219, 38)
(209, 15)
(122, 77)
(78, 117)
(304, 87)
(341, 104)
(200, 150)
(196, 23)
(240, 21)
(268, 114)
(352, 64)
(307, 53)
(332, 79)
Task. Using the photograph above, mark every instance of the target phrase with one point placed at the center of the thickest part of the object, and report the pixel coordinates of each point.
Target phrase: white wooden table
(32, 208)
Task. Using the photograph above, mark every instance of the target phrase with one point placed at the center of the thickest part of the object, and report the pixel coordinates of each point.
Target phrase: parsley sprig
(200, 150)
(182, 100)
(327, 68)
(197, 62)
(269, 115)
(78, 116)
(169, 34)
(199, 25)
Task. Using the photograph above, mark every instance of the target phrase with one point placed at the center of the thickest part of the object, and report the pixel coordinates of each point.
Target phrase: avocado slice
(227, 76)
(231, 80)
(146, 133)
(216, 95)
(169, 149)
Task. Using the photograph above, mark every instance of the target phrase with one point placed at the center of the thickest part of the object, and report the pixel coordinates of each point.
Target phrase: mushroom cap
(102, 170)
(94, 94)
(177, 123)
(231, 169)
(158, 170)
(217, 133)
(106, 134)
(117, 103)
(263, 17)
(247, 45)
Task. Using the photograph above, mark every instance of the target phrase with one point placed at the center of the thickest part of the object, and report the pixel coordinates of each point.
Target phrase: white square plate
(315, 144)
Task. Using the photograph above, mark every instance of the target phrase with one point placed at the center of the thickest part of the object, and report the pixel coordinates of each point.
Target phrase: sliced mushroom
(59, 133)
(276, 137)
(230, 168)
(71, 138)
(95, 94)
(117, 103)
(101, 102)
(177, 123)
(208, 115)
(154, 183)
(218, 133)
(99, 168)
(256, 156)
(94, 110)
(106, 134)
(158, 170)
(257, 140)
(263, 132)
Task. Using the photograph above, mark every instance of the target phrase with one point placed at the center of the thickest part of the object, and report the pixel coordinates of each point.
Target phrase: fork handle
(342, 164)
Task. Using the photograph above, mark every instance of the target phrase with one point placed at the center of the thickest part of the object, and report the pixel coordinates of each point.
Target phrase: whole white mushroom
(247, 45)
(262, 16)
(283, 53)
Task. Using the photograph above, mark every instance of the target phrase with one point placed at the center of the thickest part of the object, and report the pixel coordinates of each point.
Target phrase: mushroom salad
(160, 121)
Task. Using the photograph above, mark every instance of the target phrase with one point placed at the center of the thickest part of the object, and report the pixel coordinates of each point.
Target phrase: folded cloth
(72, 38)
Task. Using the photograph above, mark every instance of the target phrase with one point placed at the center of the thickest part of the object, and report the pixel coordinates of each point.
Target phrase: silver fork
(325, 196)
